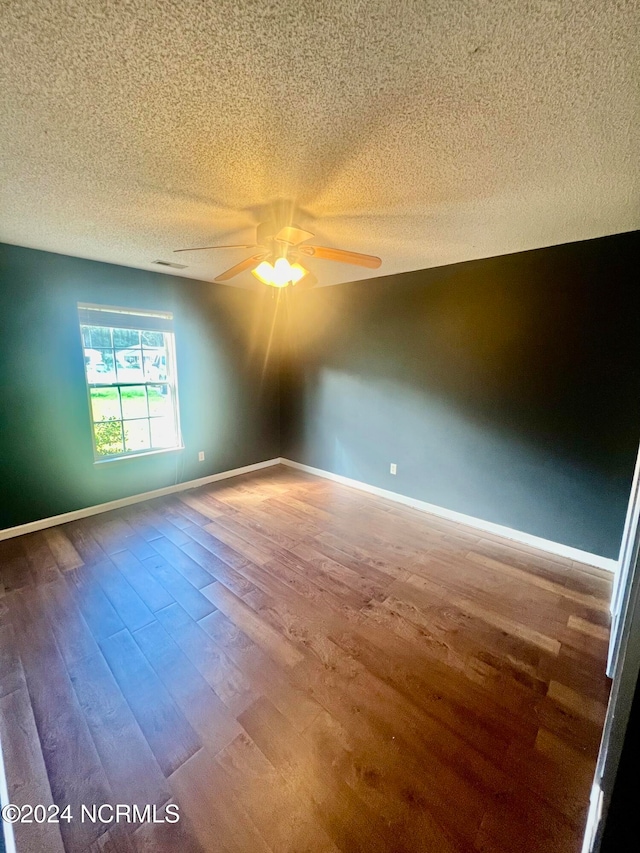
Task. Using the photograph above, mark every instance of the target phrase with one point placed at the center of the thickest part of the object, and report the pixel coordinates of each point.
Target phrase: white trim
(54, 520)
(138, 312)
(594, 817)
(9, 838)
(626, 563)
(555, 548)
(109, 459)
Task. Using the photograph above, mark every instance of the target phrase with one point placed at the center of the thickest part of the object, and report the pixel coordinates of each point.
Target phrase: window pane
(99, 365)
(136, 435)
(108, 435)
(125, 338)
(155, 364)
(160, 402)
(97, 337)
(134, 402)
(105, 404)
(153, 339)
(129, 364)
(163, 432)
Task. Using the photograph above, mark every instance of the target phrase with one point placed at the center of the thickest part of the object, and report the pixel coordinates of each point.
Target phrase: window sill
(145, 453)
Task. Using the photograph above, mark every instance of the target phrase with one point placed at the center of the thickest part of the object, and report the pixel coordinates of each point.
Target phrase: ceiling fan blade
(327, 254)
(241, 267)
(200, 248)
(292, 235)
(305, 283)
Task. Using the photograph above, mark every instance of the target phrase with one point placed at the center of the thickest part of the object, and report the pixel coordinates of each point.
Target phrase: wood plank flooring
(299, 667)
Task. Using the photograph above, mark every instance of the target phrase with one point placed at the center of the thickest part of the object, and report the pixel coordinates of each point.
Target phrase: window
(130, 365)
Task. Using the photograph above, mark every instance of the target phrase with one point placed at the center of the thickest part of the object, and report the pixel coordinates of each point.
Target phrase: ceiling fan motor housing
(266, 232)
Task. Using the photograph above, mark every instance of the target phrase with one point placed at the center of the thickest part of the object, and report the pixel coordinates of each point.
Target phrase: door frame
(626, 563)
(623, 667)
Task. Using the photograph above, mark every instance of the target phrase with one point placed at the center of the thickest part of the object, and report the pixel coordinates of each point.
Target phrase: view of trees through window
(132, 389)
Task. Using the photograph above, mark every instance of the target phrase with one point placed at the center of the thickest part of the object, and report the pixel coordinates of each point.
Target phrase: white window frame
(113, 317)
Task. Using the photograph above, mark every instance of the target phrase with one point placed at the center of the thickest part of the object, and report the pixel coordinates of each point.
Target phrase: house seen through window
(130, 366)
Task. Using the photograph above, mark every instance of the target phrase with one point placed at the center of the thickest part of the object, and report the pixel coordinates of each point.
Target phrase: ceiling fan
(277, 263)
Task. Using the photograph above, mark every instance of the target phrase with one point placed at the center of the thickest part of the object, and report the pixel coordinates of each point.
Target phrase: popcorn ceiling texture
(427, 132)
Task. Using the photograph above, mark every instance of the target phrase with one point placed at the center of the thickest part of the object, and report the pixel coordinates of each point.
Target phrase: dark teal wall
(507, 389)
(228, 393)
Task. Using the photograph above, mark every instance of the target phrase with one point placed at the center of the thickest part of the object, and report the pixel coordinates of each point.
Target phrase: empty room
(319, 426)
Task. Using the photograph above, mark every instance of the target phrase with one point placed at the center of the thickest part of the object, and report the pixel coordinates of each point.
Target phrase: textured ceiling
(427, 132)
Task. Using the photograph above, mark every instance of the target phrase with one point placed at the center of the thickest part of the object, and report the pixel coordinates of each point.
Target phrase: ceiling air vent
(170, 264)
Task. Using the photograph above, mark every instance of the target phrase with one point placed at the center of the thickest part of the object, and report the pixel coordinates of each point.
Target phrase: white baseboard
(54, 520)
(555, 548)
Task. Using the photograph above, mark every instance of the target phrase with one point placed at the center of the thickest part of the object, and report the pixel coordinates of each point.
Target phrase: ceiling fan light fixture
(263, 272)
(280, 274)
(298, 273)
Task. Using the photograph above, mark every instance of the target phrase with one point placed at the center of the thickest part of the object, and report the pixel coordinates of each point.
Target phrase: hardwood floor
(298, 666)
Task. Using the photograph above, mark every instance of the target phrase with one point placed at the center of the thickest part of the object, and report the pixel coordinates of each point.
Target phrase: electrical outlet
(201, 456)
(393, 468)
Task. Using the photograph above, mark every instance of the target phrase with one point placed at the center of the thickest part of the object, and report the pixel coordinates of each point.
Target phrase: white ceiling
(427, 132)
